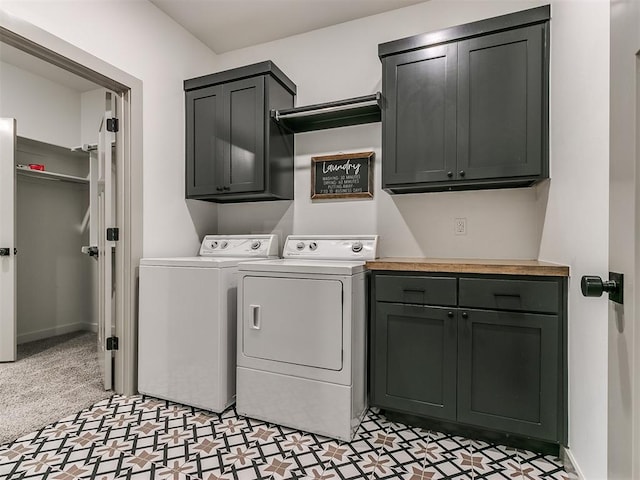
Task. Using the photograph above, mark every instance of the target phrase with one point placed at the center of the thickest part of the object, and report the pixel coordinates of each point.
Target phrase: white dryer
(302, 335)
(187, 321)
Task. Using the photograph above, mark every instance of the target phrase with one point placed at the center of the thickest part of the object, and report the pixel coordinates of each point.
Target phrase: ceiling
(225, 25)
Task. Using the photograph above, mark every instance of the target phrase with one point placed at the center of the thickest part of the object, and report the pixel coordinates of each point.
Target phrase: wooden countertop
(463, 265)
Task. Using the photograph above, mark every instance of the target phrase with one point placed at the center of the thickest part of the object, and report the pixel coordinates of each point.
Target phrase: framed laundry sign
(348, 175)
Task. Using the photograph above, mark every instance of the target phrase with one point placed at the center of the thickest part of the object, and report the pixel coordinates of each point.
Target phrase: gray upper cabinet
(243, 153)
(420, 116)
(500, 99)
(467, 107)
(235, 151)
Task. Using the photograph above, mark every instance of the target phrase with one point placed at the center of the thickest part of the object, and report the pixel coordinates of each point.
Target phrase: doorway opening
(127, 213)
(62, 194)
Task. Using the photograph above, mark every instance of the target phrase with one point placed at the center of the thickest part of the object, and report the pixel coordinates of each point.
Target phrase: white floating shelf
(26, 171)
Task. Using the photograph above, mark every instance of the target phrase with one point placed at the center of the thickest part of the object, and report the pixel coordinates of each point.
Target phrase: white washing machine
(302, 335)
(187, 321)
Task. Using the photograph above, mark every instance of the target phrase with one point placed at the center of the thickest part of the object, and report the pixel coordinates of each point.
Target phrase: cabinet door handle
(450, 314)
(226, 189)
(218, 188)
(461, 173)
(465, 315)
(449, 174)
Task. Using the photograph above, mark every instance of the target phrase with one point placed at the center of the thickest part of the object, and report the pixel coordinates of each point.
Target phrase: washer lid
(197, 262)
(295, 265)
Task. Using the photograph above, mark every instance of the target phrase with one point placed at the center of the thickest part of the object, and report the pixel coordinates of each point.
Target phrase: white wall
(139, 39)
(45, 110)
(54, 294)
(575, 229)
(564, 220)
(92, 104)
(341, 62)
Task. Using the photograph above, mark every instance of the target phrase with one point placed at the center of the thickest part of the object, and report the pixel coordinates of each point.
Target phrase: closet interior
(56, 112)
(55, 280)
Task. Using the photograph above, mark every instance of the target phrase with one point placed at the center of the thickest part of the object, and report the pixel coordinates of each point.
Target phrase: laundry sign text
(348, 175)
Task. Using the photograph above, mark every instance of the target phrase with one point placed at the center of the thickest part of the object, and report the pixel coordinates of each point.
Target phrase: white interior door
(7, 240)
(623, 400)
(102, 198)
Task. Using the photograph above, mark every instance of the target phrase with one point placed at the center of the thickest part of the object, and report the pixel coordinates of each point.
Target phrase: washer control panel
(331, 247)
(239, 246)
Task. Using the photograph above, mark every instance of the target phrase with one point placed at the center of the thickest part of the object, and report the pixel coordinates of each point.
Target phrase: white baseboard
(570, 464)
(91, 327)
(57, 330)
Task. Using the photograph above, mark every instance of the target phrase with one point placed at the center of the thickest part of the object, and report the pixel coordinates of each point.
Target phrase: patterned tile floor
(145, 438)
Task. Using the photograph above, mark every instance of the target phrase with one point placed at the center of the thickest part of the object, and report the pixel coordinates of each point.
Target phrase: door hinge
(90, 250)
(113, 125)
(113, 234)
(112, 343)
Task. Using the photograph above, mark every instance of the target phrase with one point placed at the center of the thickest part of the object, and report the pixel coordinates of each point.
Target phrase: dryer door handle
(255, 317)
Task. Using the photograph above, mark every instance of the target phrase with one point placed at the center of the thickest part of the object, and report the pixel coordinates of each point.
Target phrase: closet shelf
(26, 171)
(321, 116)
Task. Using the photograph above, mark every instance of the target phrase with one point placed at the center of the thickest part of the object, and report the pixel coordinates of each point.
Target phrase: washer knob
(356, 247)
(300, 245)
(214, 244)
(224, 244)
(313, 246)
(255, 244)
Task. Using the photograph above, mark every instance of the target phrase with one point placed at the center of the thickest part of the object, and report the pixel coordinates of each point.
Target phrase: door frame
(41, 44)
(636, 293)
(8, 264)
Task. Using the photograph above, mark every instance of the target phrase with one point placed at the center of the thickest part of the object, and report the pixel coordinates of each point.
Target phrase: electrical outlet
(460, 226)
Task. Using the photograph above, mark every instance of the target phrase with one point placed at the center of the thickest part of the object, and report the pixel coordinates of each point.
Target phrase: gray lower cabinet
(234, 150)
(415, 359)
(467, 107)
(485, 351)
(508, 372)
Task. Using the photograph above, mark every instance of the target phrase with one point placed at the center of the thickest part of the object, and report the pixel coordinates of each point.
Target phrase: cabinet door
(205, 141)
(500, 104)
(415, 359)
(244, 147)
(419, 139)
(508, 372)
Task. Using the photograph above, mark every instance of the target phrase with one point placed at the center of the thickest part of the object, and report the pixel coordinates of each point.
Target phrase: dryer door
(293, 320)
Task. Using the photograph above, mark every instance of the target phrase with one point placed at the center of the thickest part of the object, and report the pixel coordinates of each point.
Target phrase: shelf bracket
(321, 116)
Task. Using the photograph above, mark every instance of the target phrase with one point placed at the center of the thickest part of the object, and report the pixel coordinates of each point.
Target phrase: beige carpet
(51, 379)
